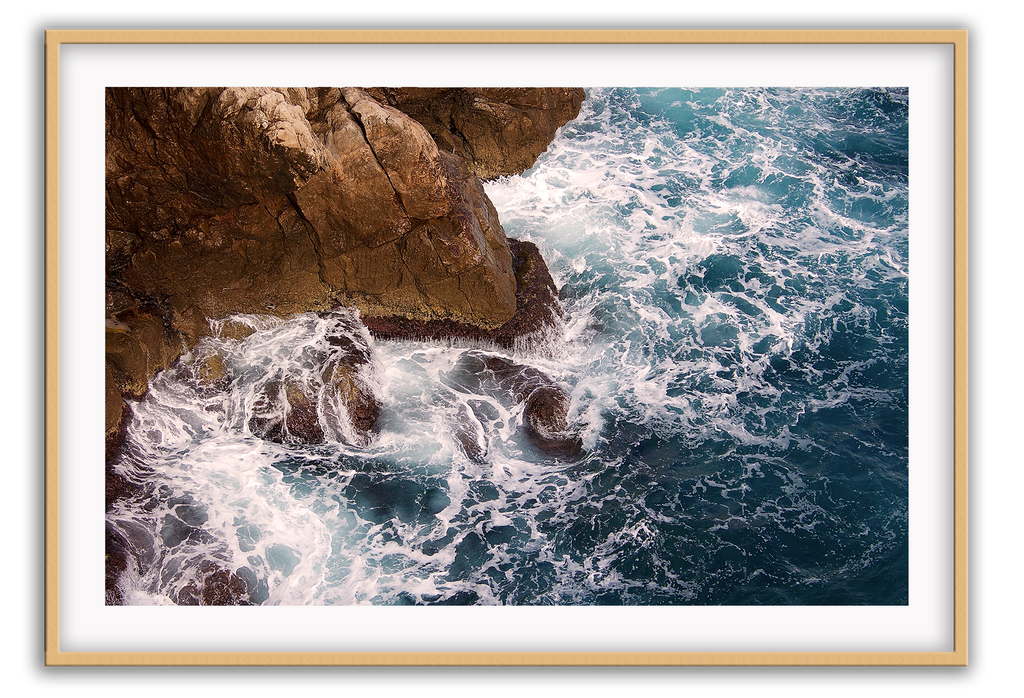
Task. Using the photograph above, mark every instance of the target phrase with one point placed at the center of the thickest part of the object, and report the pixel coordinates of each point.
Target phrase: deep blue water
(734, 267)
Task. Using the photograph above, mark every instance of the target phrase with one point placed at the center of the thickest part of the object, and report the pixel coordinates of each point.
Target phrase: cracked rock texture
(288, 200)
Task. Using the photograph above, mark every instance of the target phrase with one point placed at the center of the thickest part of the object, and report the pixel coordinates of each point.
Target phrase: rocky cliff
(287, 200)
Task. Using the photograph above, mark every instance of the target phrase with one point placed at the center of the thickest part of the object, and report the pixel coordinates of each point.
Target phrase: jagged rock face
(501, 131)
(432, 249)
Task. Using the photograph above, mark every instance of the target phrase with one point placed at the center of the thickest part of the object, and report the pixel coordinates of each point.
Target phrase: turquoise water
(734, 267)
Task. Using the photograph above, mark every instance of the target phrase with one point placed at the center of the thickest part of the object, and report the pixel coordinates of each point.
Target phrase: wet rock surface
(465, 426)
(546, 410)
(214, 585)
(133, 548)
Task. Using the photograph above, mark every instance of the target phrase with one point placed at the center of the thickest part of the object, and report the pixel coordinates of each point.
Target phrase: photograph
(507, 346)
(572, 355)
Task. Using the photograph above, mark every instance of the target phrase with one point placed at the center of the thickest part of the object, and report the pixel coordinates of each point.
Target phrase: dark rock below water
(117, 486)
(117, 559)
(213, 585)
(465, 427)
(470, 435)
(546, 413)
(546, 416)
(129, 547)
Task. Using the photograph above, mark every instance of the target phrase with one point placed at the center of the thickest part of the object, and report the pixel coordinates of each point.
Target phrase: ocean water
(734, 268)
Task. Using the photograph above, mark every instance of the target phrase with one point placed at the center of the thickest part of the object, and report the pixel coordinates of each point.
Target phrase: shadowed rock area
(501, 131)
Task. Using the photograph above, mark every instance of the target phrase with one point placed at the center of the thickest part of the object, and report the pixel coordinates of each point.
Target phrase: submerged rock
(465, 427)
(546, 419)
(214, 585)
(117, 558)
(129, 553)
(546, 410)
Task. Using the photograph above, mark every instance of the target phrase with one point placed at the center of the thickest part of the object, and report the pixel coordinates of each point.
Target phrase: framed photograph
(506, 348)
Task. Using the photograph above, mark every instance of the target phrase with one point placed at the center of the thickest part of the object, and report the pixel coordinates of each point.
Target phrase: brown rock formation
(138, 346)
(227, 201)
(224, 201)
(288, 200)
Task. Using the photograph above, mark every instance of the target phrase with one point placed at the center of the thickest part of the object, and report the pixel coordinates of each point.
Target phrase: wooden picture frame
(61, 439)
